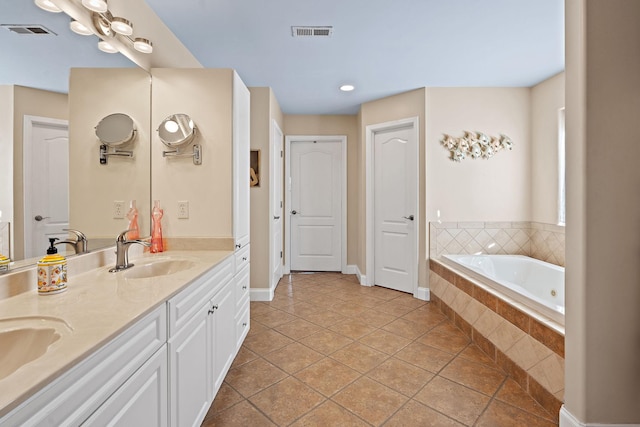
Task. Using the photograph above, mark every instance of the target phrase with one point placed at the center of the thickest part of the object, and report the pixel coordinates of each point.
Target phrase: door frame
(29, 122)
(274, 180)
(370, 132)
(287, 176)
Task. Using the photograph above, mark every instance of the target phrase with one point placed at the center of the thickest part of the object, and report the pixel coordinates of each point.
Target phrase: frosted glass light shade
(99, 6)
(48, 6)
(122, 26)
(142, 45)
(106, 47)
(79, 28)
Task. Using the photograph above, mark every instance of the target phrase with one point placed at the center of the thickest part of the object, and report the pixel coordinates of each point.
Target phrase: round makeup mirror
(177, 130)
(116, 129)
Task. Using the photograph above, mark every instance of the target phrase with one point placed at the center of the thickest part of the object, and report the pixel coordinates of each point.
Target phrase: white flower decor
(475, 144)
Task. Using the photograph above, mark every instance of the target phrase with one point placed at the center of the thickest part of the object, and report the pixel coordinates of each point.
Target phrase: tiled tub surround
(541, 241)
(529, 347)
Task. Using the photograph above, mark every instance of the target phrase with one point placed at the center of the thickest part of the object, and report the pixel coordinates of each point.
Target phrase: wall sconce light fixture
(105, 25)
(475, 144)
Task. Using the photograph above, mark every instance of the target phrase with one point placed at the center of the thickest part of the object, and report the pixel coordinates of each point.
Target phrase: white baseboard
(261, 294)
(568, 420)
(351, 269)
(423, 294)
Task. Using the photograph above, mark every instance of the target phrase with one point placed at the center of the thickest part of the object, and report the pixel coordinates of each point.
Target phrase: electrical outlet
(118, 209)
(183, 209)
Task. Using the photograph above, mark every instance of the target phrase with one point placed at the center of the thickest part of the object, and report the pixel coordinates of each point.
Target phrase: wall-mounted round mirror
(177, 130)
(116, 129)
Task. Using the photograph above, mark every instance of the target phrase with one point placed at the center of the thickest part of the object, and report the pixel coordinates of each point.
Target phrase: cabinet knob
(238, 246)
(244, 325)
(244, 287)
(210, 312)
(244, 258)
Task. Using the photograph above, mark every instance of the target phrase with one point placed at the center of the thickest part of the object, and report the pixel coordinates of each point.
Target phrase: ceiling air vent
(311, 31)
(36, 29)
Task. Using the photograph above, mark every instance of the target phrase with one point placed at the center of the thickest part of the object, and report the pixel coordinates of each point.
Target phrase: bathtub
(535, 284)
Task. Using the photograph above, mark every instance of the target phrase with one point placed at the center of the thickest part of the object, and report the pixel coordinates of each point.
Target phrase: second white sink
(157, 268)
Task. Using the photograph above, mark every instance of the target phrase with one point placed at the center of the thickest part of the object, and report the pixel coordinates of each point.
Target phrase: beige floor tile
(443, 341)
(473, 375)
(499, 414)
(409, 301)
(348, 308)
(253, 377)
(352, 328)
(329, 414)
(400, 376)
(324, 318)
(241, 415)
(425, 357)
(266, 342)
(297, 329)
(385, 341)
(514, 395)
(375, 318)
(453, 400)
(326, 342)
(328, 376)
(303, 308)
(226, 398)
(394, 308)
(370, 400)
(293, 357)
(474, 354)
(425, 316)
(274, 318)
(360, 357)
(244, 356)
(259, 308)
(406, 328)
(417, 414)
(287, 401)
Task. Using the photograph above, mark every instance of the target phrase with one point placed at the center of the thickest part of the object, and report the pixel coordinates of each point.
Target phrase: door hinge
(280, 254)
(281, 153)
(280, 204)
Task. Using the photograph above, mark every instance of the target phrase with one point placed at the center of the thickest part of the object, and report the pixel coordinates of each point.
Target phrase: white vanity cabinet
(134, 357)
(241, 148)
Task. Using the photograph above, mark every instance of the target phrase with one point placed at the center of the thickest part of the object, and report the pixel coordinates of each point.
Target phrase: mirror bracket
(105, 153)
(196, 154)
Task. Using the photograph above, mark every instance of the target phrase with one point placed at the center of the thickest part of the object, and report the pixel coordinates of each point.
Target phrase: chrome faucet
(79, 245)
(122, 251)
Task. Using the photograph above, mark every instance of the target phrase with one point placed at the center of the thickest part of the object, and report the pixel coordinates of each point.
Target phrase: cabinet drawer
(242, 284)
(243, 324)
(186, 304)
(74, 396)
(242, 258)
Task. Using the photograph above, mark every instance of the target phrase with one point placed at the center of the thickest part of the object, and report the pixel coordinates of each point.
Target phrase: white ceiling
(383, 47)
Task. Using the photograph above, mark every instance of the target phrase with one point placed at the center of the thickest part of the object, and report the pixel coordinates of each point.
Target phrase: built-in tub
(536, 284)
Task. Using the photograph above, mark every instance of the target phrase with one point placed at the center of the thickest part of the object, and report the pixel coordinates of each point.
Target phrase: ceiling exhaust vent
(35, 29)
(311, 31)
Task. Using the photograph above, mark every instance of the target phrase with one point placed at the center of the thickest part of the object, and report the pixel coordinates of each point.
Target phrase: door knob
(276, 217)
(40, 217)
(293, 212)
(410, 217)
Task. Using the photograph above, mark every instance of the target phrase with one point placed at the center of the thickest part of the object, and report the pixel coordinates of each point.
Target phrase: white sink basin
(26, 339)
(158, 268)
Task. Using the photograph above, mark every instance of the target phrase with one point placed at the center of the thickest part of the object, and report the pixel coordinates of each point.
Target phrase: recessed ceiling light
(106, 47)
(79, 28)
(99, 6)
(347, 88)
(48, 6)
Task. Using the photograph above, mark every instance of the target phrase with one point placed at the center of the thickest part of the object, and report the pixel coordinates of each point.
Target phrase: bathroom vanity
(139, 347)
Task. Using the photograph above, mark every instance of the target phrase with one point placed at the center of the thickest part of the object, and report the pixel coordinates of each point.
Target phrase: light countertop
(96, 307)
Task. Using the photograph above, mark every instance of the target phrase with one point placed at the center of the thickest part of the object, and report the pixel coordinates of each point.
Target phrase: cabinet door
(241, 107)
(189, 372)
(223, 333)
(141, 401)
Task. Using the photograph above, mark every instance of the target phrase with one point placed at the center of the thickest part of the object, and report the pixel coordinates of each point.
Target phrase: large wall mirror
(30, 96)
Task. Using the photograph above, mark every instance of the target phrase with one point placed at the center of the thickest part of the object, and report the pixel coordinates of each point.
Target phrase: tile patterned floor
(329, 352)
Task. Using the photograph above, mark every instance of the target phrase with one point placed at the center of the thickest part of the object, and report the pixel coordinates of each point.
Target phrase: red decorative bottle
(156, 232)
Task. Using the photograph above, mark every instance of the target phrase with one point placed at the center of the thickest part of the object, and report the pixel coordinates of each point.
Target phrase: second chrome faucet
(122, 251)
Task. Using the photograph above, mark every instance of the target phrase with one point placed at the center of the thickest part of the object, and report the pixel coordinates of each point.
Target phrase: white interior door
(395, 208)
(277, 181)
(46, 183)
(316, 205)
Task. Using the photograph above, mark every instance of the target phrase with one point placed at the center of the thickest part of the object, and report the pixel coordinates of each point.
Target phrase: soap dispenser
(52, 271)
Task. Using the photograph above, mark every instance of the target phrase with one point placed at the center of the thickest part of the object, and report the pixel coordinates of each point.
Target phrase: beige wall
(336, 125)
(496, 189)
(33, 102)
(206, 96)
(547, 98)
(93, 94)
(603, 273)
(402, 106)
(264, 108)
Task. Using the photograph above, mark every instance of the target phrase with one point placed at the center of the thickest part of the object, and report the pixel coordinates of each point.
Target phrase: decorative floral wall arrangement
(476, 145)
